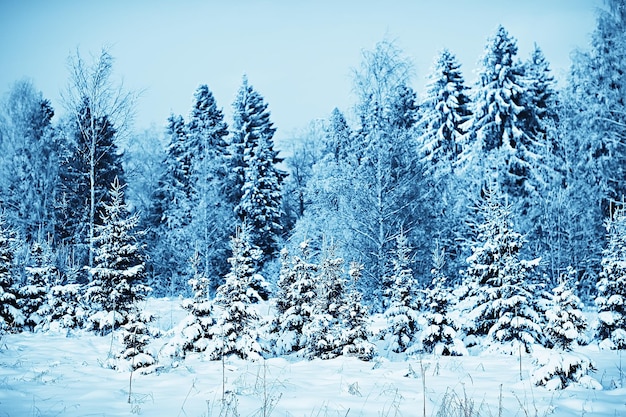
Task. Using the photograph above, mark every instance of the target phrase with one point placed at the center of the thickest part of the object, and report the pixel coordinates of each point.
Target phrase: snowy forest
(473, 217)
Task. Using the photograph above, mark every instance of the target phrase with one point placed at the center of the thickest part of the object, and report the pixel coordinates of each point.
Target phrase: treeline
(403, 186)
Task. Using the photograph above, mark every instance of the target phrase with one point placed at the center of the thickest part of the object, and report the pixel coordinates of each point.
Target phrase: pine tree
(354, 337)
(41, 275)
(324, 331)
(498, 139)
(212, 221)
(440, 335)
(11, 318)
(294, 300)
(135, 339)
(502, 304)
(117, 276)
(444, 111)
(91, 164)
(195, 334)
(255, 180)
(565, 320)
(611, 286)
(402, 314)
(236, 328)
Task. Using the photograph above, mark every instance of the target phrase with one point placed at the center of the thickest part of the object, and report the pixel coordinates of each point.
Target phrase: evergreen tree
(440, 335)
(212, 221)
(255, 180)
(91, 164)
(294, 300)
(195, 334)
(324, 331)
(565, 320)
(442, 129)
(135, 339)
(11, 318)
(498, 140)
(236, 328)
(354, 338)
(402, 314)
(40, 275)
(172, 214)
(502, 304)
(443, 114)
(611, 286)
(117, 276)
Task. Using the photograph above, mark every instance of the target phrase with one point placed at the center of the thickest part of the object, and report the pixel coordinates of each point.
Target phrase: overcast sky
(297, 54)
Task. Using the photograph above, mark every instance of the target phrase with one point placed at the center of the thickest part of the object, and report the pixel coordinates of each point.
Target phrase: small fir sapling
(66, 308)
(11, 318)
(323, 332)
(611, 298)
(194, 332)
(403, 312)
(440, 335)
(40, 275)
(135, 339)
(354, 338)
(565, 320)
(295, 300)
(119, 267)
(236, 328)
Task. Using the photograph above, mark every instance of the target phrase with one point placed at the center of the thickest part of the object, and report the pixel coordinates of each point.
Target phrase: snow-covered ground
(52, 374)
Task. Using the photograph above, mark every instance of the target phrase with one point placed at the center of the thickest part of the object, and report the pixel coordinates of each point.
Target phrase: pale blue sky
(297, 54)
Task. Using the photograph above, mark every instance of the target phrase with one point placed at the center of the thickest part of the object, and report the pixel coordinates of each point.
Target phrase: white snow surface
(55, 374)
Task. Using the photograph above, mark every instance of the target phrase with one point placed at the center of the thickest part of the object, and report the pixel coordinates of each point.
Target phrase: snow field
(52, 374)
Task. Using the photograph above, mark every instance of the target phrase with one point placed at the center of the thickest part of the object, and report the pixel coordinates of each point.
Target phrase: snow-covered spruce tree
(354, 338)
(403, 312)
(295, 300)
(11, 318)
(119, 266)
(195, 329)
(440, 335)
(171, 214)
(442, 129)
(254, 181)
(236, 329)
(611, 298)
(324, 331)
(498, 143)
(558, 367)
(443, 113)
(212, 220)
(565, 322)
(40, 275)
(135, 339)
(501, 300)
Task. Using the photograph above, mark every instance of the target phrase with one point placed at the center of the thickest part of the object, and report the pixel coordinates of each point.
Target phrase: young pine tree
(119, 268)
(11, 318)
(565, 320)
(195, 334)
(440, 335)
(502, 303)
(236, 329)
(324, 331)
(611, 299)
(41, 274)
(254, 182)
(135, 339)
(295, 300)
(354, 338)
(402, 314)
